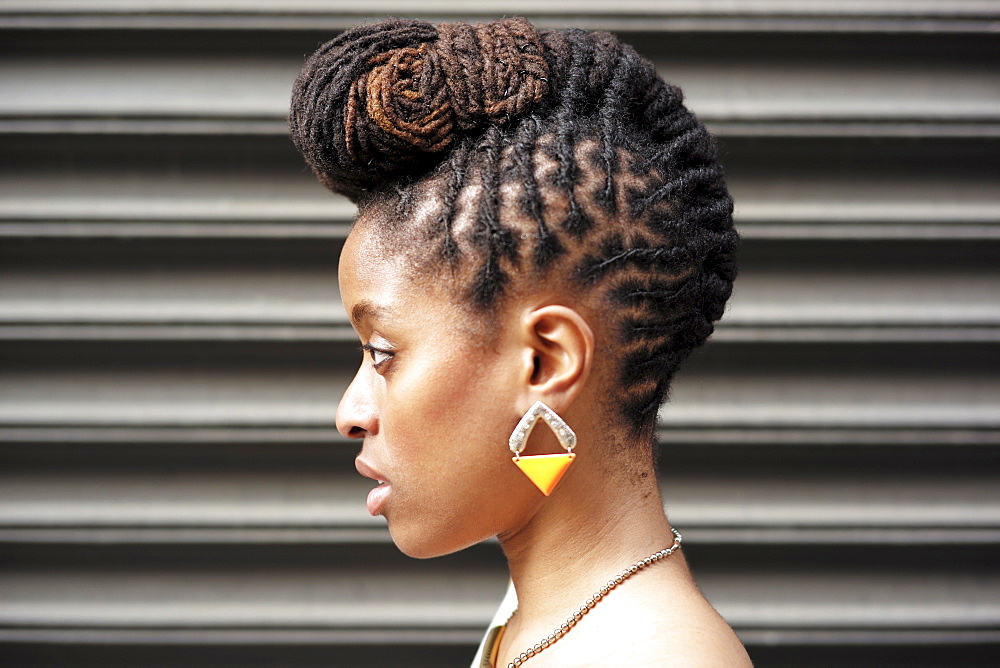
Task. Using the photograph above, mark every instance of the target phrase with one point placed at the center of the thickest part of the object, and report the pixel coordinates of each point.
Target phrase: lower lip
(377, 497)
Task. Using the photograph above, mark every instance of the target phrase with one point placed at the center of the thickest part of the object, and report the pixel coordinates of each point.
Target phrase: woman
(543, 235)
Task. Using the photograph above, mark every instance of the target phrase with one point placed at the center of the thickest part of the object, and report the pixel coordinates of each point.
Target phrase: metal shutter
(173, 490)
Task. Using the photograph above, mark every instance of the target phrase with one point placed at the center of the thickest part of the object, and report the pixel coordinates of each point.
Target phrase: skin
(434, 404)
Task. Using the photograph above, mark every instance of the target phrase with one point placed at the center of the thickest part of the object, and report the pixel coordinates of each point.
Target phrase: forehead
(377, 282)
(382, 282)
(370, 277)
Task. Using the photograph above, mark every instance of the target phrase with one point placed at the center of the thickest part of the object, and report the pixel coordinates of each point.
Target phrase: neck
(583, 535)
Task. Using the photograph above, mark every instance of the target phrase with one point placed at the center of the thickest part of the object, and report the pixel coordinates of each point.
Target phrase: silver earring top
(519, 438)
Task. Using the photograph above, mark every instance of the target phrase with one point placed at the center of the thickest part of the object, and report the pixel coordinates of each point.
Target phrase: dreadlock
(556, 155)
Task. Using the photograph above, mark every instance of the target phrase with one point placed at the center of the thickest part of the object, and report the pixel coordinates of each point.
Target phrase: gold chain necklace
(592, 601)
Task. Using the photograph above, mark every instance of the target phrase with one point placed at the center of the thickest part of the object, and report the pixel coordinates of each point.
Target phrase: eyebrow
(366, 309)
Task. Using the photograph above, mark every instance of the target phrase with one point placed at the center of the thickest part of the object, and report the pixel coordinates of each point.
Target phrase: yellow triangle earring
(545, 471)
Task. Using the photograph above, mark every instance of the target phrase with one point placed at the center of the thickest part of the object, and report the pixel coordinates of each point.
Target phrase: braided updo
(556, 155)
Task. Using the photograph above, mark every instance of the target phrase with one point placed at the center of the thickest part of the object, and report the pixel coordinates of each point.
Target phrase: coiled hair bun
(384, 100)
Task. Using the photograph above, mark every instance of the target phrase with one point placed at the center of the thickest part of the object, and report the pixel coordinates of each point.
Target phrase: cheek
(454, 390)
(454, 481)
(450, 415)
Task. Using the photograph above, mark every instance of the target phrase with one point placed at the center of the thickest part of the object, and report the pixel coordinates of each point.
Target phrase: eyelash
(370, 350)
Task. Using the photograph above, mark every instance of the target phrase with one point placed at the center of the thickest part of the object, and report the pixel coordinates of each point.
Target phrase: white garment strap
(507, 606)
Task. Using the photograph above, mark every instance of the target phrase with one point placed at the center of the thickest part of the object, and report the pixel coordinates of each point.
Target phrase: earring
(544, 470)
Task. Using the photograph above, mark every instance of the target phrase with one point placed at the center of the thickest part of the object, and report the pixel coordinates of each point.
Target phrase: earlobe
(562, 350)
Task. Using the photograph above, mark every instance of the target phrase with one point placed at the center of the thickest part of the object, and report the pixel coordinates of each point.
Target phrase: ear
(559, 354)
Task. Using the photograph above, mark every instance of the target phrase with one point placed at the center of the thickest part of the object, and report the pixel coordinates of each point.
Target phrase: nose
(356, 413)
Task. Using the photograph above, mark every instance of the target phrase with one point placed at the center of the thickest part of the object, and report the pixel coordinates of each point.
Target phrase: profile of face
(433, 405)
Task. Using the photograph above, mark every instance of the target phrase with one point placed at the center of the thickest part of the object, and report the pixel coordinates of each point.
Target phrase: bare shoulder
(683, 645)
(692, 635)
(689, 645)
(651, 626)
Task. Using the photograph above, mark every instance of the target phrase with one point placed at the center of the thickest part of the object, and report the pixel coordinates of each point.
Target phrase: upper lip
(367, 471)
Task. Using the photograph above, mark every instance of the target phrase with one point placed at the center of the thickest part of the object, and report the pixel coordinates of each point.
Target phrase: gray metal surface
(172, 347)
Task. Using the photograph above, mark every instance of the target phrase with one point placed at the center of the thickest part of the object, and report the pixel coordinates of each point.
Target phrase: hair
(516, 156)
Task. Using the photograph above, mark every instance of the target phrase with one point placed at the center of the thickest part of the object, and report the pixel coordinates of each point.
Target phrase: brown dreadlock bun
(384, 100)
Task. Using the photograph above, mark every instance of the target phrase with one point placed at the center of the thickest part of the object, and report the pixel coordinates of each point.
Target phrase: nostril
(356, 432)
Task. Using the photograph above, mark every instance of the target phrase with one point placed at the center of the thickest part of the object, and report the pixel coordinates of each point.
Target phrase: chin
(426, 544)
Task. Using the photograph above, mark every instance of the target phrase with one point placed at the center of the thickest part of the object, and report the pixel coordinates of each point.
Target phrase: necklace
(592, 601)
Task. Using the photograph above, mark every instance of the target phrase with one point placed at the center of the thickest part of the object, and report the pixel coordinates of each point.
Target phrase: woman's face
(434, 406)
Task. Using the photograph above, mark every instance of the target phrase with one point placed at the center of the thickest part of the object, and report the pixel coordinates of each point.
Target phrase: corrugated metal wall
(173, 490)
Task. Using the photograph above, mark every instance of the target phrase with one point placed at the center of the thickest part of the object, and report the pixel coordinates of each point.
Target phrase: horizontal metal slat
(242, 127)
(428, 649)
(704, 436)
(304, 508)
(677, 15)
(248, 94)
(233, 384)
(222, 187)
(307, 492)
(274, 590)
(336, 597)
(914, 536)
(285, 290)
(908, 8)
(207, 296)
(340, 334)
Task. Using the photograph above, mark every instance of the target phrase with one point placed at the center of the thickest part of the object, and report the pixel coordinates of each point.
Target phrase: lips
(378, 495)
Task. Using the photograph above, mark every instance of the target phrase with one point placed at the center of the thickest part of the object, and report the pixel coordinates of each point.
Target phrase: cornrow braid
(539, 156)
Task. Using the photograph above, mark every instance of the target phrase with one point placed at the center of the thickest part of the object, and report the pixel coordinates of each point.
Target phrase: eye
(378, 355)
